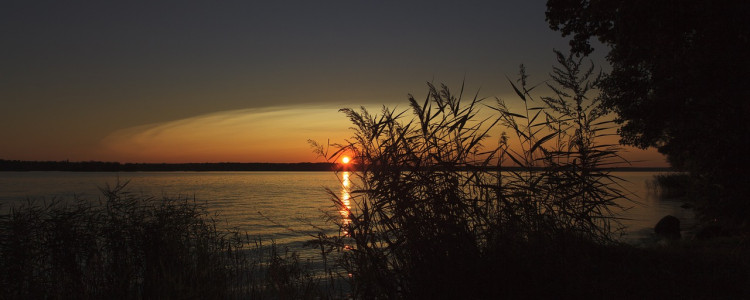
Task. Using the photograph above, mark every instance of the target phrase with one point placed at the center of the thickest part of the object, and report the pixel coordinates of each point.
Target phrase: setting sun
(345, 160)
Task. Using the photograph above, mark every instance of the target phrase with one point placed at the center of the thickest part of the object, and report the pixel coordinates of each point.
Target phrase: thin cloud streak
(258, 135)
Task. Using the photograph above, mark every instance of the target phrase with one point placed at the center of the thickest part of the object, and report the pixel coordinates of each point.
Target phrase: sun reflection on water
(345, 203)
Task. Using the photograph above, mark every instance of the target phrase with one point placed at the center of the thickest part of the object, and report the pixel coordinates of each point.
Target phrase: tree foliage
(679, 81)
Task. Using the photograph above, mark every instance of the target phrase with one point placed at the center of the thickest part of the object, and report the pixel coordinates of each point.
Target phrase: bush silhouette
(435, 211)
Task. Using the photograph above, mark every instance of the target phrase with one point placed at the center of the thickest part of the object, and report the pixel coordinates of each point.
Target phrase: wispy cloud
(269, 134)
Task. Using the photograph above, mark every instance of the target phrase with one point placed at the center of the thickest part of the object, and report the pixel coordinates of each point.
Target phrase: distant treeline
(103, 166)
(100, 166)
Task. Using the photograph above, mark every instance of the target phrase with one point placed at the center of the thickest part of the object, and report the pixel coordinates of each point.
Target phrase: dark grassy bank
(718, 269)
(570, 268)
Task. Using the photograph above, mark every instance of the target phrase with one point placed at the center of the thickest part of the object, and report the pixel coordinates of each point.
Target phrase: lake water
(283, 205)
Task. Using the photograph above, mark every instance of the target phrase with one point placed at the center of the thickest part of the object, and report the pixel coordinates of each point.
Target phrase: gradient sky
(244, 81)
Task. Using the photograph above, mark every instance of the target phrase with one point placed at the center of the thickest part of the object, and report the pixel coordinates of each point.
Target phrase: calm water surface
(283, 205)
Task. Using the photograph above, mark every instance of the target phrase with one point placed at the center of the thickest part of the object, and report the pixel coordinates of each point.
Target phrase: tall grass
(136, 246)
(675, 185)
(436, 213)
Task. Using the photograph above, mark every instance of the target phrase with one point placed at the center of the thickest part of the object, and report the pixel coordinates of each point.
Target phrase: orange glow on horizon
(231, 135)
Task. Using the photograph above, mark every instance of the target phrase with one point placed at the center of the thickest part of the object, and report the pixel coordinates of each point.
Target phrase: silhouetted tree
(680, 81)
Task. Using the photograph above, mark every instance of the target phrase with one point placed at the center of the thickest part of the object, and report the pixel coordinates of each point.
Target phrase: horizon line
(62, 165)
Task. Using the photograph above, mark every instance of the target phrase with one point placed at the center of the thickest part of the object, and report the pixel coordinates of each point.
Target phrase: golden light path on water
(346, 202)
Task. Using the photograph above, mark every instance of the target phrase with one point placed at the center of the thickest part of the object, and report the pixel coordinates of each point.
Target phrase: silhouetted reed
(673, 185)
(435, 213)
(135, 246)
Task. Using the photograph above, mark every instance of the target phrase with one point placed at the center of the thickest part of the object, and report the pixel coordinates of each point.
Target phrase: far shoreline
(98, 166)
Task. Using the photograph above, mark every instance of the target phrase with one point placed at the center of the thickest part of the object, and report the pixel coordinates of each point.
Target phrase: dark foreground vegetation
(138, 247)
(149, 248)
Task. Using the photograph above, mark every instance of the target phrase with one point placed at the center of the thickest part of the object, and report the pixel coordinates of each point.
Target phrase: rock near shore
(668, 227)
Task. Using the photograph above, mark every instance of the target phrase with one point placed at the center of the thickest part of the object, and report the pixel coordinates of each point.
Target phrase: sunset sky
(244, 81)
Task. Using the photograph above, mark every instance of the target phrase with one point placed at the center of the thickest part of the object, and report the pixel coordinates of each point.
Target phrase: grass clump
(135, 246)
(674, 185)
